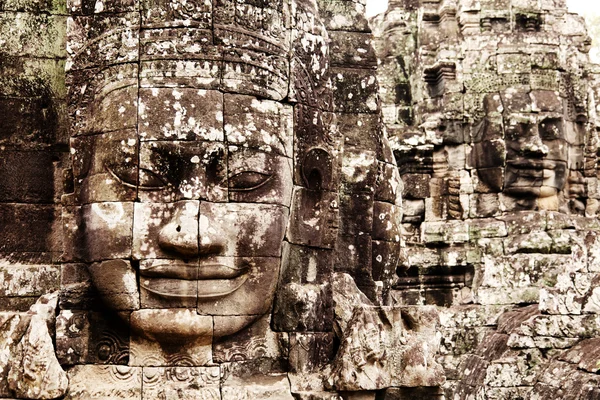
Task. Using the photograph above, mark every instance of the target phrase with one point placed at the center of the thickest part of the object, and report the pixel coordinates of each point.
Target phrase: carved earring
(317, 169)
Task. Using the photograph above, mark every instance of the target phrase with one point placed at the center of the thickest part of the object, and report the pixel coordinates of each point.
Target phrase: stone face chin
(171, 324)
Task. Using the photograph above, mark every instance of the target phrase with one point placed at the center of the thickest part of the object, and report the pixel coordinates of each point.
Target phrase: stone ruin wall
(484, 258)
(59, 340)
(514, 276)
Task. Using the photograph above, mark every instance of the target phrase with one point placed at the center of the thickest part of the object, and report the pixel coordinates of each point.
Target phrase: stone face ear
(317, 169)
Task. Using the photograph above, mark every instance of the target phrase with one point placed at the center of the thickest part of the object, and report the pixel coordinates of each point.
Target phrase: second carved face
(520, 147)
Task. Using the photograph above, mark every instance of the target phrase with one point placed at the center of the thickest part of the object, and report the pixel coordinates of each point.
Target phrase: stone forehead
(176, 29)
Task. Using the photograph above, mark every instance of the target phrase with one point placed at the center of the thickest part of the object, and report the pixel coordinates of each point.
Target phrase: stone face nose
(180, 234)
(211, 238)
(535, 146)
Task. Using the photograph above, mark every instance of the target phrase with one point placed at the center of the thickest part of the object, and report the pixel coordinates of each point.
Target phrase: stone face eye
(551, 129)
(148, 180)
(248, 180)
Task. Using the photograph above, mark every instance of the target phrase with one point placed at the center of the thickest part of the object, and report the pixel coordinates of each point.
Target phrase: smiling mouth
(184, 281)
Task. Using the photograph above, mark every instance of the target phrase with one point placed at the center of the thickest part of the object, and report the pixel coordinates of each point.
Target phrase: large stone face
(191, 175)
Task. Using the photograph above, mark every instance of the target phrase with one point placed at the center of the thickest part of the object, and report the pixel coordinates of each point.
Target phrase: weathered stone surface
(225, 159)
(84, 337)
(181, 383)
(243, 380)
(110, 381)
(314, 217)
(27, 279)
(499, 179)
(76, 289)
(35, 372)
(254, 342)
(382, 346)
(36, 219)
(14, 325)
(116, 282)
(177, 337)
(310, 356)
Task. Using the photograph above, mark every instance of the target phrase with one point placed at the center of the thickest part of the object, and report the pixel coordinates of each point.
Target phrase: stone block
(448, 232)
(386, 256)
(354, 258)
(309, 355)
(496, 296)
(313, 218)
(175, 337)
(259, 177)
(484, 205)
(352, 204)
(386, 221)
(181, 114)
(253, 296)
(524, 222)
(416, 186)
(185, 383)
(344, 15)
(424, 393)
(28, 280)
(187, 170)
(303, 307)
(584, 354)
(257, 341)
(534, 242)
(389, 185)
(153, 221)
(258, 124)
(29, 40)
(34, 370)
(317, 145)
(91, 337)
(519, 368)
(27, 177)
(103, 39)
(243, 380)
(109, 381)
(110, 224)
(302, 264)
(248, 230)
(27, 227)
(269, 78)
(355, 90)
(76, 290)
(352, 49)
(359, 171)
(583, 326)
(13, 326)
(116, 283)
(487, 228)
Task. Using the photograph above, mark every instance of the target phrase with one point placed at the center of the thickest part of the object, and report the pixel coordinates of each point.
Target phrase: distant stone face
(492, 112)
(524, 135)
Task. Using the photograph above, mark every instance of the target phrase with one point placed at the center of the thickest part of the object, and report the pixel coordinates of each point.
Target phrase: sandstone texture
(247, 199)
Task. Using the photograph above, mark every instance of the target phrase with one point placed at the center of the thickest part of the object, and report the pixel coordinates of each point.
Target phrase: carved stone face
(186, 150)
(209, 212)
(521, 146)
